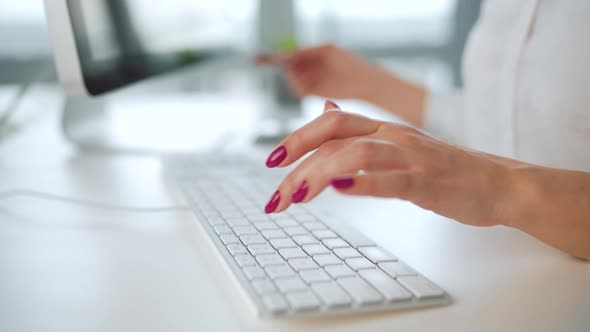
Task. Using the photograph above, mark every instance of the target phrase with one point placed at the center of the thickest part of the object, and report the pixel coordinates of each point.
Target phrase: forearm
(552, 205)
(403, 98)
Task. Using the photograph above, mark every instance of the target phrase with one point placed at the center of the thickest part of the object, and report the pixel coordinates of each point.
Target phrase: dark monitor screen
(123, 41)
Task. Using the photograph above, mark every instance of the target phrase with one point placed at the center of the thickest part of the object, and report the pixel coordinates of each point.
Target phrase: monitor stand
(285, 114)
(168, 123)
(84, 123)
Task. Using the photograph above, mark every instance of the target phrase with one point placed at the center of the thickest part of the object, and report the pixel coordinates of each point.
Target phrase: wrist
(523, 195)
(391, 93)
(378, 86)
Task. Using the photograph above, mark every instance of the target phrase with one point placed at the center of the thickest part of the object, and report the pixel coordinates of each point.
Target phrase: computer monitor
(101, 46)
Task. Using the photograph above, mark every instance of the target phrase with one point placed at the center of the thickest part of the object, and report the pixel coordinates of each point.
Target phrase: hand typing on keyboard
(396, 161)
(360, 156)
(296, 262)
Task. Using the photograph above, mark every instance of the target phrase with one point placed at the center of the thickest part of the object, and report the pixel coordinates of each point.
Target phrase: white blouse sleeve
(444, 116)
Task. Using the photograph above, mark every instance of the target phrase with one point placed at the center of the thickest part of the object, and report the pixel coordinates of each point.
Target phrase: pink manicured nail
(300, 193)
(343, 182)
(272, 204)
(276, 157)
(330, 104)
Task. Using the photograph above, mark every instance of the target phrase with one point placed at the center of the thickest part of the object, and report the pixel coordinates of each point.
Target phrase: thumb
(331, 106)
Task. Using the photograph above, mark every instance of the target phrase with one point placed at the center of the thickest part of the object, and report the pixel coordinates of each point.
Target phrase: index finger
(334, 124)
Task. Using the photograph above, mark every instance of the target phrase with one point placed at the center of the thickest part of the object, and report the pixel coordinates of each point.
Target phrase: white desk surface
(66, 268)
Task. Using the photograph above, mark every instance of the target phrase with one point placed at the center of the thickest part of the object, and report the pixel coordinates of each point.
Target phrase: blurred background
(424, 37)
(420, 40)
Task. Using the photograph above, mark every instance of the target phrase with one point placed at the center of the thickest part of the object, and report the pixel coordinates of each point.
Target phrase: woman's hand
(359, 156)
(326, 71)
(332, 72)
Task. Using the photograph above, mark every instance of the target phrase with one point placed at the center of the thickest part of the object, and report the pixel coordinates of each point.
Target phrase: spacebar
(351, 235)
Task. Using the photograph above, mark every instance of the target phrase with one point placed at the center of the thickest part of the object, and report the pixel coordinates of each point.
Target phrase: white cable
(87, 203)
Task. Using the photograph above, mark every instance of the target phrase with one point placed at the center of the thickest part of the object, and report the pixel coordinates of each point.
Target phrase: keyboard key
(252, 239)
(397, 269)
(339, 271)
(377, 255)
(303, 301)
(303, 217)
(222, 229)
(324, 234)
(263, 286)
(291, 284)
(335, 243)
(289, 253)
(315, 249)
(276, 216)
(215, 221)
(345, 253)
(286, 222)
(258, 217)
(282, 243)
(359, 263)
(273, 234)
(327, 259)
(238, 222)
(352, 236)
(275, 303)
(245, 260)
(295, 230)
(421, 287)
(360, 291)
(236, 249)
(229, 239)
(254, 272)
(316, 275)
(233, 214)
(388, 287)
(265, 225)
(303, 263)
(313, 226)
(331, 294)
(270, 259)
(305, 239)
(211, 214)
(259, 249)
(245, 230)
(279, 271)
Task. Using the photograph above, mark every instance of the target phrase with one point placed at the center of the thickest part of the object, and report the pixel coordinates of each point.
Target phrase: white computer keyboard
(298, 262)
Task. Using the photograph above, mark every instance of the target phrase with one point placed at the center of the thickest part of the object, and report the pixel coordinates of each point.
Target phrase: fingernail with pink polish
(331, 104)
(276, 157)
(342, 182)
(273, 203)
(300, 193)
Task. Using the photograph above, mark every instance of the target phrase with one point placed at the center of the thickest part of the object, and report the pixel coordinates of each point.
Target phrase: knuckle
(329, 147)
(401, 133)
(365, 150)
(410, 138)
(335, 120)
